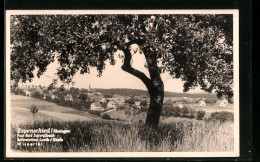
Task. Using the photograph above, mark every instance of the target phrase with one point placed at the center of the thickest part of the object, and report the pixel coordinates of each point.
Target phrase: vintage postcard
(122, 83)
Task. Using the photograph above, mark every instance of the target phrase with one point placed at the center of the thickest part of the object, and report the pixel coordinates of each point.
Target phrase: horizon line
(136, 89)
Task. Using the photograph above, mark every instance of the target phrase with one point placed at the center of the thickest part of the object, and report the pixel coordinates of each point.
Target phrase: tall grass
(114, 136)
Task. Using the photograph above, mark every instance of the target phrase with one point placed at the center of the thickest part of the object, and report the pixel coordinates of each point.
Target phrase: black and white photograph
(122, 83)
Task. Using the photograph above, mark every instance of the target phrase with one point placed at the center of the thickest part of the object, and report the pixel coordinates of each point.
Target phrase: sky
(112, 77)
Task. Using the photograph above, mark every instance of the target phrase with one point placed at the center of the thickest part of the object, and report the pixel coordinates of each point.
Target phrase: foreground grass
(113, 136)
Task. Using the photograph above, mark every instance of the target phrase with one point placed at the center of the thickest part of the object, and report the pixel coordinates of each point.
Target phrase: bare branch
(128, 68)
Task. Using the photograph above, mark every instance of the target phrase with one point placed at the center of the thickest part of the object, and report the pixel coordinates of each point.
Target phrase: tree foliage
(143, 103)
(83, 97)
(130, 101)
(195, 48)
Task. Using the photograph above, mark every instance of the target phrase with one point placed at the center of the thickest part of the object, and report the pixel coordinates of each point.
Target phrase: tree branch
(138, 41)
(128, 68)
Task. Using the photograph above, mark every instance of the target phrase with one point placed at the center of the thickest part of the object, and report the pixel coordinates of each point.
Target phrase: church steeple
(89, 88)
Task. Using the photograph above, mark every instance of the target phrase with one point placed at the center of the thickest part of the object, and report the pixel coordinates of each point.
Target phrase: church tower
(89, 88)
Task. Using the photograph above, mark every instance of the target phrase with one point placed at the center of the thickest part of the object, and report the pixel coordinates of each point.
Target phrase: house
(28, 94)
(137, 97)
(201, 103)
(45, 95)
(111, 104)
(68, 97)
(103, 100)
(96, 106)
(137, 103)
(120, 102)
(177, 104)
(52, 96)
(222, 103)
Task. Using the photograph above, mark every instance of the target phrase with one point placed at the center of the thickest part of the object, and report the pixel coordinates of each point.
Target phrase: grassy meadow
(91, 133)
(114, 136)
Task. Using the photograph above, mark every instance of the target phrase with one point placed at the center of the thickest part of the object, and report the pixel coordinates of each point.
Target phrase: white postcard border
(14, 154)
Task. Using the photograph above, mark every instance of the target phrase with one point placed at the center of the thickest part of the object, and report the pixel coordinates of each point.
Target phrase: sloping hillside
(20, 111)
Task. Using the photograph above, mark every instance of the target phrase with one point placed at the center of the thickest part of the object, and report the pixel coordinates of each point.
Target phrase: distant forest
(138, 92)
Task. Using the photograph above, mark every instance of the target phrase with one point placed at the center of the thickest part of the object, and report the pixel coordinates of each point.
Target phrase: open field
(214, 108)
(121, 115)
(20, 111)
(142, 116)
(89, 133)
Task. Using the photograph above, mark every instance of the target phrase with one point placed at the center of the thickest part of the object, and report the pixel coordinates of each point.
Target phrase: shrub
(34, 109)
(127, 112)
(18, 91)
(210, 101)
(200, 114)
(184, 111)
(143, 103)
(176, 111)
(48, 98)
(95, 112)
(185, 101)
(192, 113)
(106, 116)
(134, 107)
(121, 107)
(222, 116)
(108, 95)
(143, 109)
(37, 94)
(56, 100)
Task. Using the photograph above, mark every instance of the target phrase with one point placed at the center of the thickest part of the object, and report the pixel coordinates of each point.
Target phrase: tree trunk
(156, 103)
(154, 85)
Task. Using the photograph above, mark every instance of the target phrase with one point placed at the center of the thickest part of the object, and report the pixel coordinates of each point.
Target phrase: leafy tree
(61, 88)
(106, 116)
(74, 92)
(45, 91)
(195, 48)
(103, 104)
(83, 90)
(200, 114)
(130, 101)
(37, 94)
(108, 95)
(48, 98)
(83, 97)
(34, 109)
(52, 85)
(143, 103)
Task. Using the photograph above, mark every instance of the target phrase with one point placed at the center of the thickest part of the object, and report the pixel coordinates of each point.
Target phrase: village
(93, 100)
